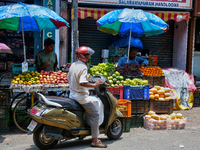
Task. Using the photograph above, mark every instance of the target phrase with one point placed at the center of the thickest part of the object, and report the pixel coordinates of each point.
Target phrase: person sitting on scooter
(77, 78)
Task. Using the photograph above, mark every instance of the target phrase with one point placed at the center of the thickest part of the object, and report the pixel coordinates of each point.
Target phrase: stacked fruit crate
(5, 95)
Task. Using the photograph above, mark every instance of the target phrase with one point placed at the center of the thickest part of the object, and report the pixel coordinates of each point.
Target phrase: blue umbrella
(131, 21)
(24, 17)
(123, 42)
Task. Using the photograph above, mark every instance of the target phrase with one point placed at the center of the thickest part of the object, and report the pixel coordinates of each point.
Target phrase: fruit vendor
(133, 58)
(47, 59)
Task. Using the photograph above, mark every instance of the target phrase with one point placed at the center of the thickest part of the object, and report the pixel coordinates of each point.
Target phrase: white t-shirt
(78, 74)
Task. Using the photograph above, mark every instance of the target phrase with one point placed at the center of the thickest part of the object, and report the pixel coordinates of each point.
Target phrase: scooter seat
(66, 103)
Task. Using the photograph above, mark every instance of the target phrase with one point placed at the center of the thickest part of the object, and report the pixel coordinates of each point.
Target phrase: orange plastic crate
(124, 106)
(155, 59)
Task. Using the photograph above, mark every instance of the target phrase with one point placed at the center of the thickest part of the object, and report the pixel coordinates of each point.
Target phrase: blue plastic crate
(196, 102)
(136, 92)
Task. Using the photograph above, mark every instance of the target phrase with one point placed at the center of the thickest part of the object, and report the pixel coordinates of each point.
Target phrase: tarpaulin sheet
(183, 83)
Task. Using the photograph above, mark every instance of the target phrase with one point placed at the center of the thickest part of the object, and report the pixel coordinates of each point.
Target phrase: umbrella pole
(23, 40)
(129, 42)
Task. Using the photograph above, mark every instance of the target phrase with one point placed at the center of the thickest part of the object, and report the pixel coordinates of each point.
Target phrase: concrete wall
(180, 45)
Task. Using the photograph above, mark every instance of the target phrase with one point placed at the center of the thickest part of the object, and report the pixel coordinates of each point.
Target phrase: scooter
(58, 119)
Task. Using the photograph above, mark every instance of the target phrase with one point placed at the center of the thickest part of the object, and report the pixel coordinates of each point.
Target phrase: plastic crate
(117, 92)
(196, 102)
(136, 92)
(5, 95)
(124, 106)
(4, 115)
(17, 68)
(139, 106)
(127, 124)
(137, 121)
(197, 92)
(155, 59)
(161, 106)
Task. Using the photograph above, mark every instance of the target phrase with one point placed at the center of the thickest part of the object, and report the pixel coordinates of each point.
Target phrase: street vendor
(133, 58)
(47, 59)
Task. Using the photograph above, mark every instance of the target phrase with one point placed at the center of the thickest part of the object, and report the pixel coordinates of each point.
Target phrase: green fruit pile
(116, 79)
(102, 68)
(135, 82)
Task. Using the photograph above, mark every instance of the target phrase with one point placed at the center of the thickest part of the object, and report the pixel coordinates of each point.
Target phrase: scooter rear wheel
(115, 130)
(43, 142)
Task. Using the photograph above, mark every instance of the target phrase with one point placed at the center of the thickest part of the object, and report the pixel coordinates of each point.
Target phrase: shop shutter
(90, 36)
(162, 45)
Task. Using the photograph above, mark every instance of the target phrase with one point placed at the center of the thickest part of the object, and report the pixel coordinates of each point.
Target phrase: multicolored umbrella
(29, 18)
(5, 49)
(143, 23)
(24, 17)
(132, 22)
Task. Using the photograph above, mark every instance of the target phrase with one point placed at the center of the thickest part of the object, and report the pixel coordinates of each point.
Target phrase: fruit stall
(139, 91)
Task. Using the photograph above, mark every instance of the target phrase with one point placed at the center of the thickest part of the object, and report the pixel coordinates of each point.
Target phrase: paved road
(136, 139)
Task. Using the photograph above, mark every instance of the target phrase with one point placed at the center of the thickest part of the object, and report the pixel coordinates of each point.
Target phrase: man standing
(77, 78)
(47, 59)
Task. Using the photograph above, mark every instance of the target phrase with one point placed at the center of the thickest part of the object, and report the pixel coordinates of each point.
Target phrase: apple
(46, 73)
(62, 81)
(40, 76)
(53, 82)
(48, 79)
(61, 78)
(58, 81)
(49, 82)
(65, 73)
(42, 71)
(54, 77)
(51, 79)
(64, 76)
(47, 76)
(42, 82)
(60, 71)
(58, 78)
(44, 76)
(41, 79)
(65, 81)
(58, 74)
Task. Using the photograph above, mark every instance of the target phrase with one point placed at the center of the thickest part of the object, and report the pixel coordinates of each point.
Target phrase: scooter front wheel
(115, 130)
(43, 142)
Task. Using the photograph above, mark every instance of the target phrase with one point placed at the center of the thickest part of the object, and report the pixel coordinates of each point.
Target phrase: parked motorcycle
(58, 119)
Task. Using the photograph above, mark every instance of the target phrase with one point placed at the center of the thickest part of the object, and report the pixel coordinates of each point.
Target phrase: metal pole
(23, 41)
(74, 19)
(129, 42)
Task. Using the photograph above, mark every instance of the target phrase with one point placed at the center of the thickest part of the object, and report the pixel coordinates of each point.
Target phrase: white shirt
(78, 74)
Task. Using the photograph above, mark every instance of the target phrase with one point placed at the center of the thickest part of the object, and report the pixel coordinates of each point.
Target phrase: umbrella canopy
(5, 49)
(29, 17)
(143, 23)
(124, 42)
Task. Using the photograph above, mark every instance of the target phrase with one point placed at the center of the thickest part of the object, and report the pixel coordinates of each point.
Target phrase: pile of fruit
(44, 77)
(103, 69)
(135, 82)
(129, 69)
(153, 121)
(160, 93)
(116, 79)
(152, 71)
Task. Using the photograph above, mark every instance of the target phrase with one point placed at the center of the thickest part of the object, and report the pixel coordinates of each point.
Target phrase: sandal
(99, 144)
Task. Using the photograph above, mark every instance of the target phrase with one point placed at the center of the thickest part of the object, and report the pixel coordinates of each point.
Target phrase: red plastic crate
(155, 59)
(117, 92)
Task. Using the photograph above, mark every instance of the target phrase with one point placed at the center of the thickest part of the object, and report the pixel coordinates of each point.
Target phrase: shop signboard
(173, 4)
(49, 33)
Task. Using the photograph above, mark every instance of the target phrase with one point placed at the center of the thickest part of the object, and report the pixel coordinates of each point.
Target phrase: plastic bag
(101, 113)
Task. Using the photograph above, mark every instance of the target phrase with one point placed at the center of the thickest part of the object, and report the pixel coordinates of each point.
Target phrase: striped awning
(167, 15)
